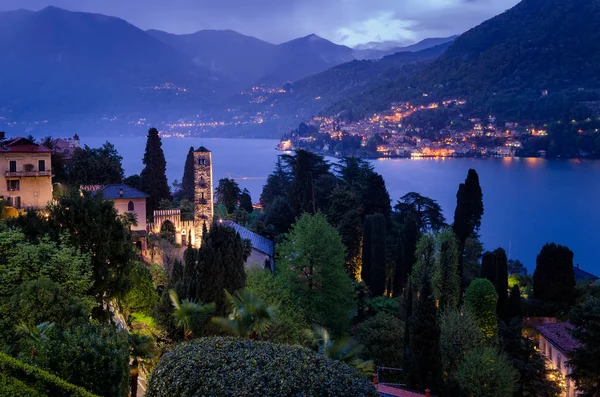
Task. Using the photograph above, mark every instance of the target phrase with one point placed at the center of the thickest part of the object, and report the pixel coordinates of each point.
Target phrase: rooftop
(112, 192)
(581, 274)
(202, 149)
(22, 145)
(259, 242)
(388, 391)
(559, 334)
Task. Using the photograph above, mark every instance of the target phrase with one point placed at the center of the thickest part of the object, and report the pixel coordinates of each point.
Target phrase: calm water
(528, 202)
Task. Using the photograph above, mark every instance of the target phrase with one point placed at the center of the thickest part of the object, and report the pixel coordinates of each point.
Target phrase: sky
(348, 22)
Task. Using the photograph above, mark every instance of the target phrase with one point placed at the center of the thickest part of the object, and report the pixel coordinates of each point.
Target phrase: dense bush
(485, 373)
(15, 373)
(382, 339)
(237, 367)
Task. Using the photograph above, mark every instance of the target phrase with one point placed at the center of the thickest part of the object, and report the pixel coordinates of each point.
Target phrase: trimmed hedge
(11, 387)
(242, 368)
(14, 372)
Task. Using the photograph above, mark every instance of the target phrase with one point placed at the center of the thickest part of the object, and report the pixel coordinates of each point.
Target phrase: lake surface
(528, 202)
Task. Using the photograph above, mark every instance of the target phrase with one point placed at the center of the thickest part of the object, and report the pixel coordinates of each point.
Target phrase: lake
(528, 202)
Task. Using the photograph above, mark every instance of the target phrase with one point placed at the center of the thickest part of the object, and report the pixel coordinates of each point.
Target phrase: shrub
(481, 299)
(382, 339)
(485, 373)
(236, 367)
(12, 387)
(13, 371)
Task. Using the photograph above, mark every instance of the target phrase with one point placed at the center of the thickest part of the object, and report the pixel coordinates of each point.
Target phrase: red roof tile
(23, 145)
(396, 392)
(559, 334)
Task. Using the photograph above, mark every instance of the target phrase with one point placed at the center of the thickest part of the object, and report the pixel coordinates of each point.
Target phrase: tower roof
(202, 149)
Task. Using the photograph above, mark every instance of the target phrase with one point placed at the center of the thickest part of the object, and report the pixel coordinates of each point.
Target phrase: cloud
(345, 21)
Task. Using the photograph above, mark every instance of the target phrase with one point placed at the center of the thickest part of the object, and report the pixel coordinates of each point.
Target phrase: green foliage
(481, 298)
(246, 201)
(187, 182)
(101, 166)
(93, 227)
(381, 337)
(252, 367)
(41, 382)
(405, 257)
(367, 250)
(426, 261)
(250, 316)
(306, 168)
(135, 181)
(424, 354)
(93, 357)
(142, 297)
(446, 279)
(494, 267)
(189, 314)
(485, 373)
(220, 266)
(291, 319)
(12, 387)
(459, 333)
(278, 184)
(425, 211)
(471, 260)
(279, 216)
(153, 176)
(584, 361)
(312, 263)
(375, 235)
(553, 278)
(228, 193)
(383, 304)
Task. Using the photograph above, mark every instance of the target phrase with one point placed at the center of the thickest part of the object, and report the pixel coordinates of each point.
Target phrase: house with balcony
(557, 343)
(26, 169)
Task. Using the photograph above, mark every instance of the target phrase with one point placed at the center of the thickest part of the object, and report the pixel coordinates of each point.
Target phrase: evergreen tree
(98, 166)
(376, 197)
(494, 267)
(228, 193)
(468, 213)
(425, 369)
(278, 185)
(187, 182)
(446, 281)
(312, 264)
(135, 181)
(279, 216)
(426, 211)
(407, 245)
(584, 360)
(306, 167)
(367, 249)
(425, 263)
(189, 281)
(153, 177)
(481, 298)
(378, 255)
(553, 278)
(514, 307)
(220, 266)
(246, 201)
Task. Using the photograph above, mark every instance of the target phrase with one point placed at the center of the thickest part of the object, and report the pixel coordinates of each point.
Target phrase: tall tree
(99, 166)
(584, 363)
(514, 306)
(228, 193)
(367, 249)
(153, 177)
(469, 210)
(426, 211)
(553, 278)
(425, 263)
(278, 184)
(187, 181)
(378, 273)
(425, 370)
(188, 288)
(220, 266)
(376, 198)
(482, 299)
(494, 267)
(486, 373)
(459, 333)
(406, 247)
(312, 263)
(306, 167)
(279, 216)
(446, 279)
(246, 201)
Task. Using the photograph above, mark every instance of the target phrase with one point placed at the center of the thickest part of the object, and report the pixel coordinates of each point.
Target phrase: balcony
(27, 174)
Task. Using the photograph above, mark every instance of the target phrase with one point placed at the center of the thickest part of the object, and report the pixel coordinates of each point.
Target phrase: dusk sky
(348, 22)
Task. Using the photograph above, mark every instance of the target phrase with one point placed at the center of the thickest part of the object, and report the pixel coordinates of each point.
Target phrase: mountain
(57, 62)
(243, 59)
(503, 65)
(378, 50)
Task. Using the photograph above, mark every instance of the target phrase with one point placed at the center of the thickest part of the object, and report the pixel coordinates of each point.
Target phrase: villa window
(41, 165)
(558, 361)
(12, 166)
(550, 352)
(130, 206)
(201, 161)
(13, 185)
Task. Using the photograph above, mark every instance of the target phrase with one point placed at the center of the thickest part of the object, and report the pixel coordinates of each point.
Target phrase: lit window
(130, 206)
(13, 185)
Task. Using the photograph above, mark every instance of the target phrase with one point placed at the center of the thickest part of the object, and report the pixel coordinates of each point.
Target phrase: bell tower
(203, 192)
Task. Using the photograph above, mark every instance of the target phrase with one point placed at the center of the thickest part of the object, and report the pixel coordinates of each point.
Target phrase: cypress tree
(187, 182)
(446, 281)
(378, 255)
(376, 198)
(425, 369)
(468, 213)
(494, 267)
(365, 273)
(153, 176)
(553, 278)
(407, 245)
(220, 266)
(246, 201)
(514, 302)
(278, 185)
(189, 281)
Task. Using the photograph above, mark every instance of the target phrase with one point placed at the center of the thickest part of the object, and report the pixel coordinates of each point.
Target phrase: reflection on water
(528, 202)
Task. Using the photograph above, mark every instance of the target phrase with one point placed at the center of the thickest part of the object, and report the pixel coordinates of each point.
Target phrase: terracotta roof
(559, 334)
(23, 145)
(113, 192)
(397, 392)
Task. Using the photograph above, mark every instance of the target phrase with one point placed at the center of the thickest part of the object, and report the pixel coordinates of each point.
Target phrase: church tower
(203, 192)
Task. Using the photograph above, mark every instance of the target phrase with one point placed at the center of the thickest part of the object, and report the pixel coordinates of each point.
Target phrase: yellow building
(26, 169)
(127, 199)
